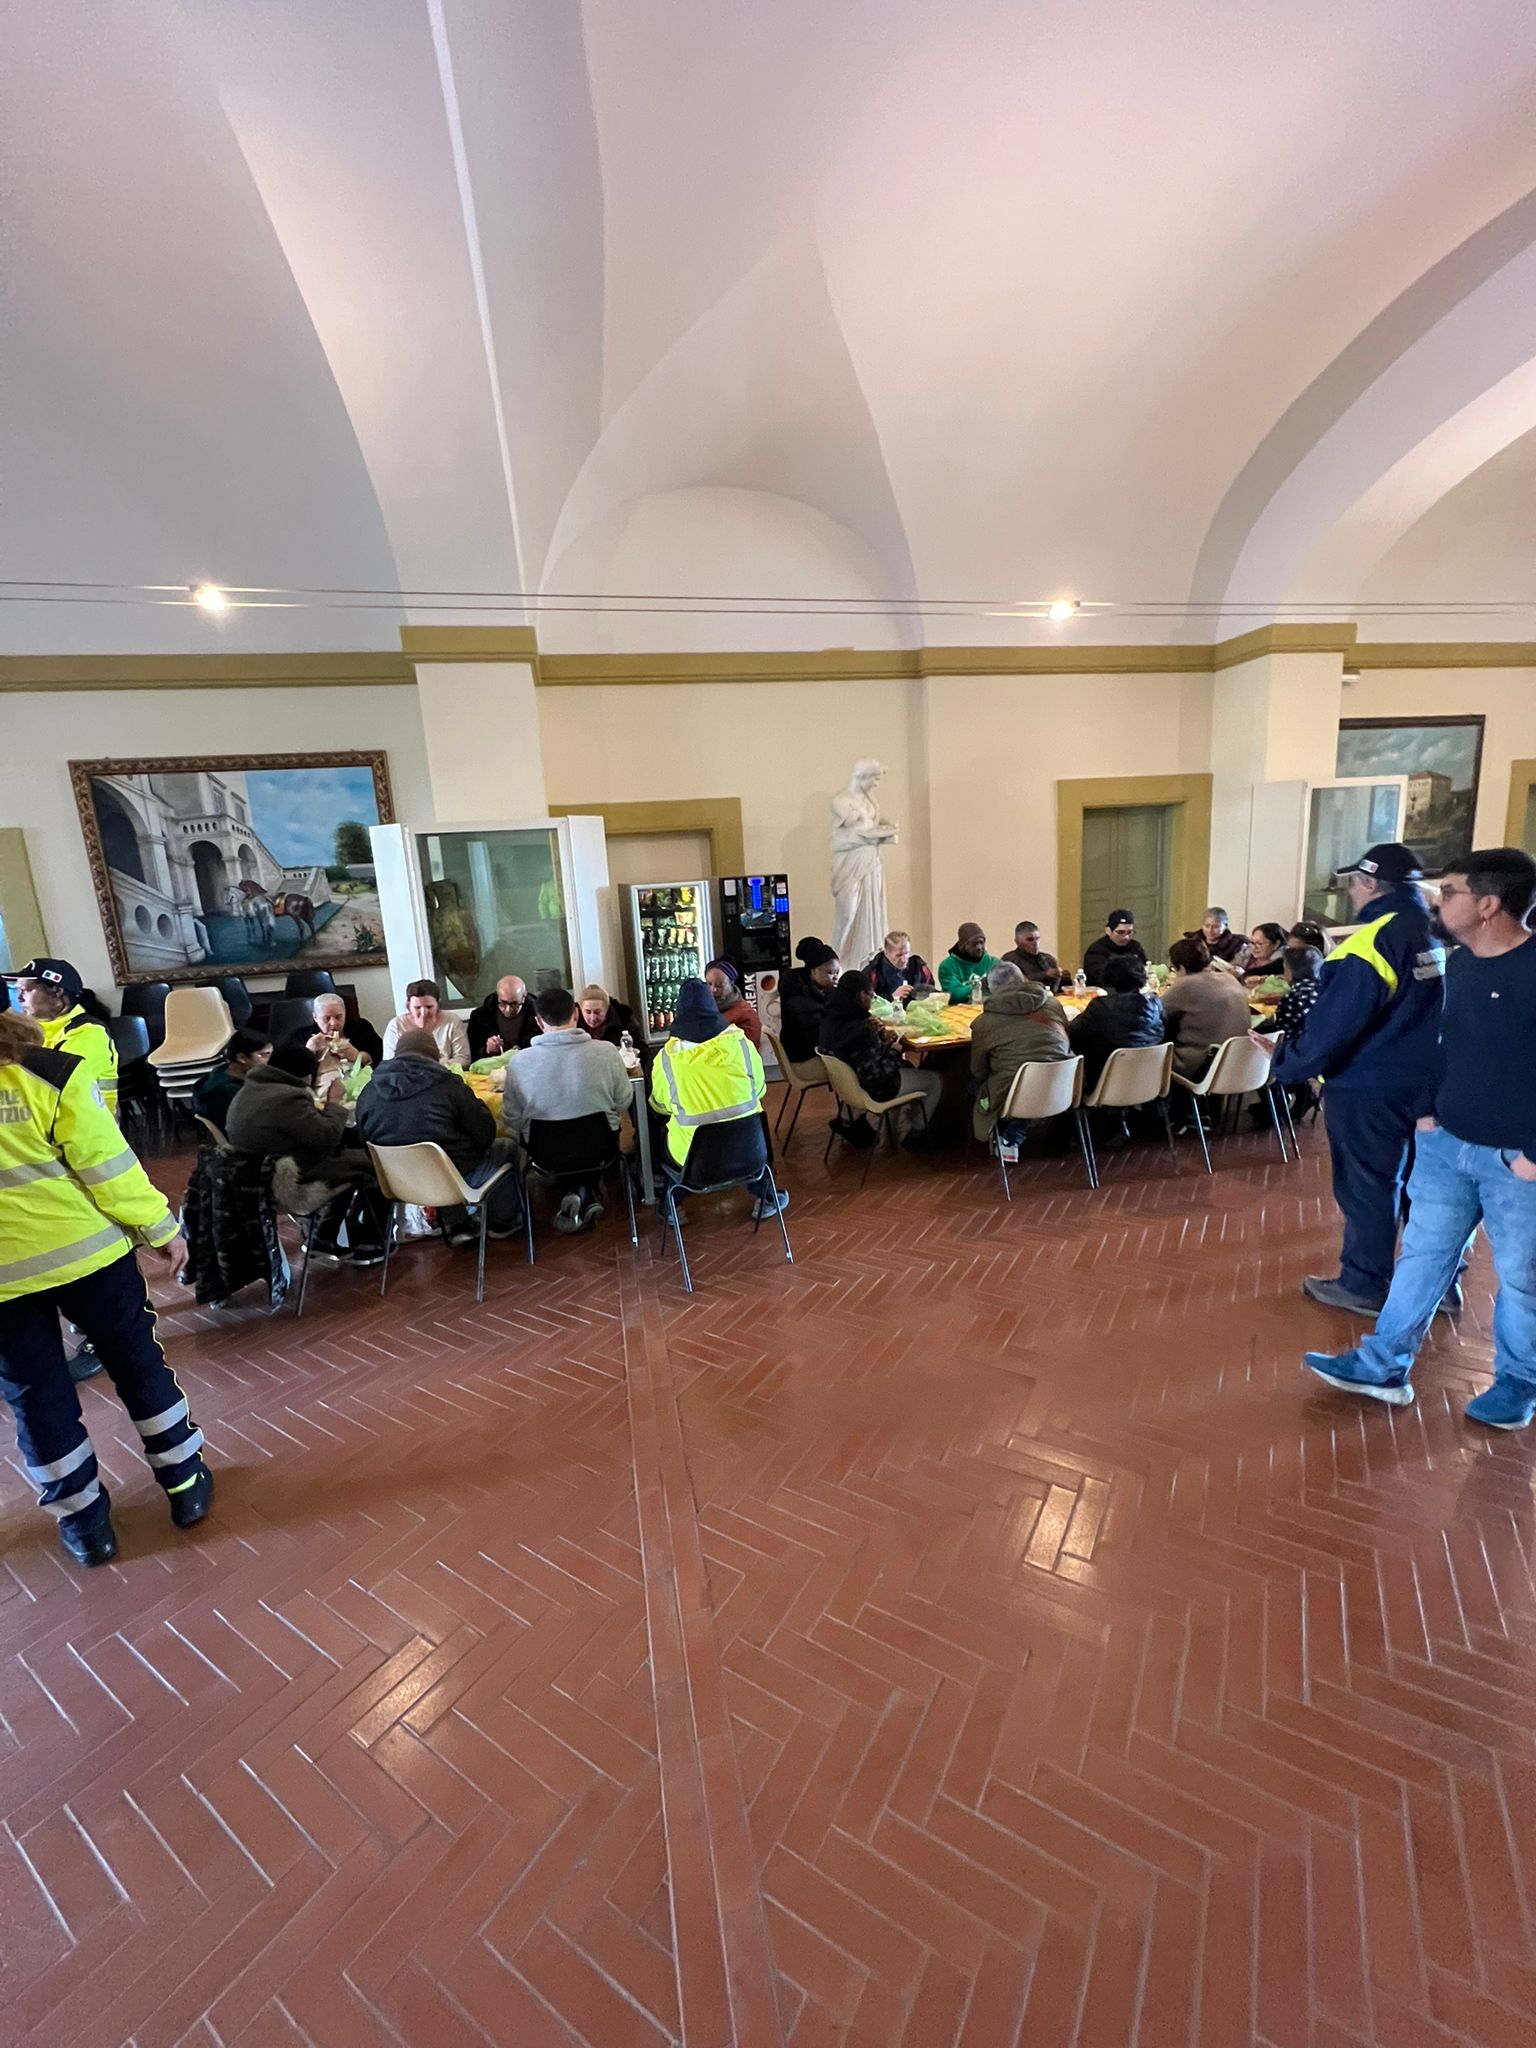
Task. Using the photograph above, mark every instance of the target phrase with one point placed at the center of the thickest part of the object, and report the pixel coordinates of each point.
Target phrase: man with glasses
(1475, 1157)
(1118, 943)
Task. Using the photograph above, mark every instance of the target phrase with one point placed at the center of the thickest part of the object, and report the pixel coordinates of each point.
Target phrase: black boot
(84, 1365)
(191, 1497)
(89, 1537)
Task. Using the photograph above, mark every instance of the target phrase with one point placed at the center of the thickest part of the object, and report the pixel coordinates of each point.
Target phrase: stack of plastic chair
(197, 1029)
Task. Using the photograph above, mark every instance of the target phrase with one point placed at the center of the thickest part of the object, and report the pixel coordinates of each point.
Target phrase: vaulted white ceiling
(1212, 314)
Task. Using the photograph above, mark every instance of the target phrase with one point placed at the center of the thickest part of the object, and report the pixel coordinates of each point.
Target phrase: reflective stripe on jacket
(89, 1041)
(72, 1196)
(1376, 1021)
(712, 1083)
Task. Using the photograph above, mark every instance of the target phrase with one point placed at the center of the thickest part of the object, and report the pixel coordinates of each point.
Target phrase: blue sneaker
(1348, 1374)
(1508, 1404)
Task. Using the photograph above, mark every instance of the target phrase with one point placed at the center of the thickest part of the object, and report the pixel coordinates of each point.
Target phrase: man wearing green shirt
(968, 956)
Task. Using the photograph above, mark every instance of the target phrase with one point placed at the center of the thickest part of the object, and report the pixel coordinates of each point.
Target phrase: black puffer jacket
(414, 1101)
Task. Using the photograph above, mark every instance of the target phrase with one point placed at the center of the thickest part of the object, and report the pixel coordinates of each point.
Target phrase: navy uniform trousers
(112, 1307)
(1370, 1138)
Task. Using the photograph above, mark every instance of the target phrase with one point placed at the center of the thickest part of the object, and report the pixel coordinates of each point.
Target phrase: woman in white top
(424, 1012)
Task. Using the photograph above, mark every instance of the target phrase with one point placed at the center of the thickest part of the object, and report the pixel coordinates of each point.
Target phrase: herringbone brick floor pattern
(978, 1632)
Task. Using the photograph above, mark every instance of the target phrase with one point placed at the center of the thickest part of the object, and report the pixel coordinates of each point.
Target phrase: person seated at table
(565, 1073)
(1031, 960)
(1301, 966)
(1118, 943)
(216, 1091)
(1127, 1014)
(412, 1099)
(1221, 942)
(896, 972)
(849, 1033)
(803, 997)
(1266, 942)
(424, 1012)
(708, 1068)
(967, 960)
(275, 1115)
(725, 986)
(1203, 1006)
(1307, 934)
(604, 1016)
(1021, 1023)
(333, 1044)
(505, 1022)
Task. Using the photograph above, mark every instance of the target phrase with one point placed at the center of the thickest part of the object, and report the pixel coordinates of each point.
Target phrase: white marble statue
(858, 877)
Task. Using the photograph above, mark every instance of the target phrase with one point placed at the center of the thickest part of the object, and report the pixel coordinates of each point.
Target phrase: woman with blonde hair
(75, 1205)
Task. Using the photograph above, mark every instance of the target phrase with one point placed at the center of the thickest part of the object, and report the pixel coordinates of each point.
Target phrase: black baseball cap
(57, 973)
(1390, 864)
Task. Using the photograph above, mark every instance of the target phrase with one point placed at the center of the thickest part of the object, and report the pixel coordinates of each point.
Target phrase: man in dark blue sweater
(1372, 1035)
(1476, 1155)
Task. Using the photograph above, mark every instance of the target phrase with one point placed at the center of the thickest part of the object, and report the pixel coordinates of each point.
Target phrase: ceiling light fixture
(210, 597)
(1061, 609)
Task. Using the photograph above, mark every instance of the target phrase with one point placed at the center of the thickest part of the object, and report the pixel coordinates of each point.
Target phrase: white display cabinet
(465, 904)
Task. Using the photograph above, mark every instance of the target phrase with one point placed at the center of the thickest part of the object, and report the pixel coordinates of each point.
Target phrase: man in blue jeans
(1476, 1151)
(1372, 1035)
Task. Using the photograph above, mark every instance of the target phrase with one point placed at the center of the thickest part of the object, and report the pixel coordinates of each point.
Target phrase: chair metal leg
(1173, 1150)
(528, 1214)
(1194, 1103)
(1002, 1164)
(783, 1105)
(871, 1150)
(629, 1199)
(831, 1141)
(310, 1232)
(1085, 1143)
(789, 1135)
(773, 1190)
(390, 1227)
(1274, 1117)
(677, 1233)
(1290, 1121)
(485, 1221)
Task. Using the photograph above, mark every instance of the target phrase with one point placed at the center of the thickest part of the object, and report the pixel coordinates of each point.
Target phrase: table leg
(642, 1119)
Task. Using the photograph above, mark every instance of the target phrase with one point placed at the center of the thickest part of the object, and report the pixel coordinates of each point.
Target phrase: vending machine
(669, 935)
(754, 937)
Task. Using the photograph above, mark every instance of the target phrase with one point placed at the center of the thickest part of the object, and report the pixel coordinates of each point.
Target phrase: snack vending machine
(668, 936)
(754, 936)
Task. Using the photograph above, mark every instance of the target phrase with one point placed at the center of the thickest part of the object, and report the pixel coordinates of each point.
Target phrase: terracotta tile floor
(977, 1632)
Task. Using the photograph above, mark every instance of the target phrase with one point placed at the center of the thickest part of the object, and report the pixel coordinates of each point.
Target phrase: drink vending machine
(754, 936)
(668, 936)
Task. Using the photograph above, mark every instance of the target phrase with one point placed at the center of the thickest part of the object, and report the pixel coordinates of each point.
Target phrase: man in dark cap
(1373, 1036)
(1118, 943)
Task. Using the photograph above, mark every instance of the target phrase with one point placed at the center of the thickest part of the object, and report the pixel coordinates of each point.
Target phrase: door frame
(718, 816)
(1522, 780)
(1189, 858)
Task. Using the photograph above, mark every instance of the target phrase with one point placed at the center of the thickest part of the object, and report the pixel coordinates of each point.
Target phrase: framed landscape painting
(235, 864)
(1441, 758)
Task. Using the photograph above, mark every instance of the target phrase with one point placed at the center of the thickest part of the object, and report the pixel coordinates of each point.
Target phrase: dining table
(488, 1088)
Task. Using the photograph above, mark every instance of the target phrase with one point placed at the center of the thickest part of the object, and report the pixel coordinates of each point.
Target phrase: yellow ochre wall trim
(1189, 860)
(1522, 780)
(719, 816)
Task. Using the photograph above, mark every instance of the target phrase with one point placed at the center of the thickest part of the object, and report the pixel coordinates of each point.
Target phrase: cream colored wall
(41, 732)
(782, 748)
(1505, 696)
(998, 745)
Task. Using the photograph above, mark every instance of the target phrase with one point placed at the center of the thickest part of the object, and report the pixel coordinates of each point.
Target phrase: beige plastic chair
(850, 1092)
(197, 1029)
(425, 1175)
(212, 1132)
(800, 1077)
(1041, 1089)
(1239, 1068)
(1135, 1076)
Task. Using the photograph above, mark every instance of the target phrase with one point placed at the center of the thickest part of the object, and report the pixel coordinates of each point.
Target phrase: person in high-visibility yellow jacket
(50, 995)
(74, 1205)
(707, 1073)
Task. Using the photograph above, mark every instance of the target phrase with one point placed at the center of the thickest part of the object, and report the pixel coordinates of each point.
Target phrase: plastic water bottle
(976, 989)
(1080, 982)
(627, 1047)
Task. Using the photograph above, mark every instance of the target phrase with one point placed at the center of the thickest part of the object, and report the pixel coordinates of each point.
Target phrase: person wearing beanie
(966, 961)
(725, 985)
(413, 1099)
(1118, 943)
(708, 1071)
(803, 996)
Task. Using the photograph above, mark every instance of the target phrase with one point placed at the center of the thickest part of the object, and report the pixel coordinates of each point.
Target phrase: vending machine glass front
(494, 906)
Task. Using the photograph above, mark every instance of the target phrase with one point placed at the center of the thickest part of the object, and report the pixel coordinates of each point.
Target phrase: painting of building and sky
(1440, 758)
(243, 866)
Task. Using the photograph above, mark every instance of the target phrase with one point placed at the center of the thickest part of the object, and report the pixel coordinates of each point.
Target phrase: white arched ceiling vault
(858, 298)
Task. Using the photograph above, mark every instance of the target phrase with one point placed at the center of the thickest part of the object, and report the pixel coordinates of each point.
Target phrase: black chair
(573, 1149)
(138, 1090)
(309, 981)
(733, 1154)
(235, 993)
(289, 1016)
(146, 999)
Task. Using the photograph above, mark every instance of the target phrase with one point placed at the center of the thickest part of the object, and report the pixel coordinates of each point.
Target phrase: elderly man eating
(505, 1022)
(333, 1044)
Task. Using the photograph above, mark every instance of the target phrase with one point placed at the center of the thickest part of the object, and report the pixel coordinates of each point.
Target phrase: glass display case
(1344, 818)
(464, 905)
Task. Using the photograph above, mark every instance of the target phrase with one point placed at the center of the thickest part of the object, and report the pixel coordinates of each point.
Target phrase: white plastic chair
(1239, 1068)
(1134, 1077)
(197, 1029)
(800, 1077)
(425, 1175)
(1041, 1089)
(854, 1097)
